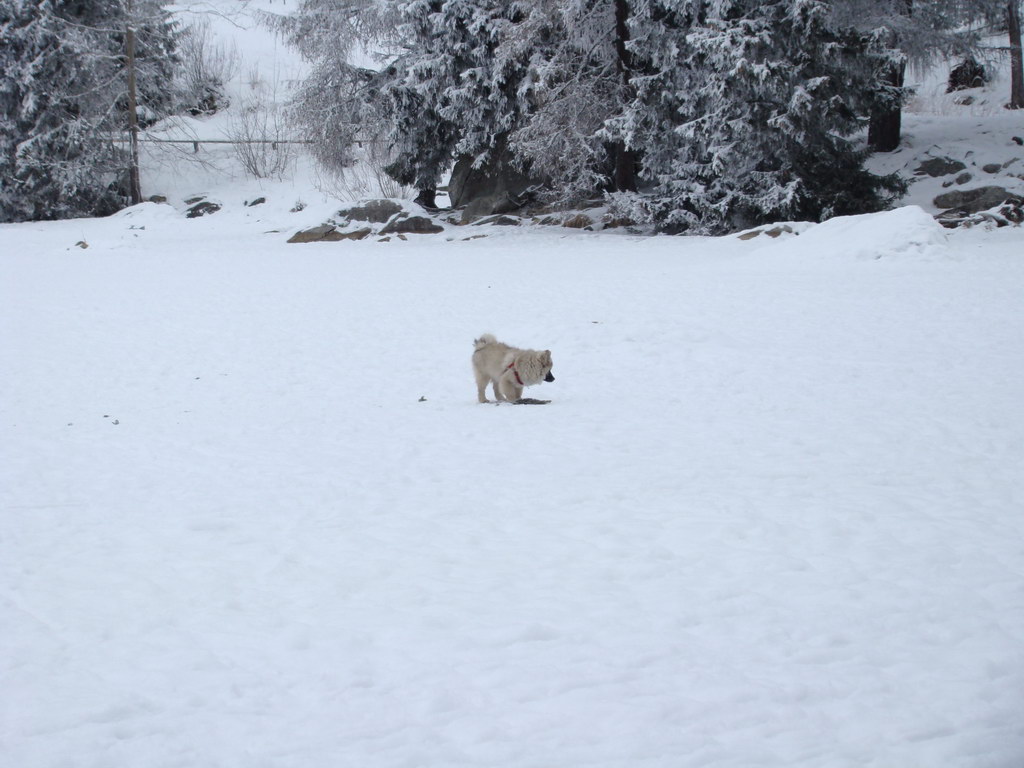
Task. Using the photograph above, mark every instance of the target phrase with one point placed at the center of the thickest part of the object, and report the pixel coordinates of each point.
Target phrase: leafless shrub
(261, 140)
(206, 68)
(366, 176)
(254, 79)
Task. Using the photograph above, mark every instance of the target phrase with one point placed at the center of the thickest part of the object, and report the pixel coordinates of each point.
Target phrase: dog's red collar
(512, 367)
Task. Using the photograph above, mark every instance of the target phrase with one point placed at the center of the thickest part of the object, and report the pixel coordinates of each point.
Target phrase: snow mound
(899, 233)
(147, 213)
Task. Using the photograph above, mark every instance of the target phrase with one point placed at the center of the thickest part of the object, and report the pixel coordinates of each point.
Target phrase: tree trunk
(624, 175)
(427, 198)
(1016, 66)
(625, 168)
(135, 188)
(886, 123)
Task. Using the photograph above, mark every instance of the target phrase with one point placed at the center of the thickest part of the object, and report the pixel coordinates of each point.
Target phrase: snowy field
(253, 516)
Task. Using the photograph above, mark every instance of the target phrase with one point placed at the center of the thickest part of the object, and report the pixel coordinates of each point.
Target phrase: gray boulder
(974, 200)
(1012, 213)
(359, 234)
(578, 221)
(203, 208)
(500, 221)
(496, 187)
(324, 232)
(417, 225)
(377, 211)
(773, 232)
(939, 166)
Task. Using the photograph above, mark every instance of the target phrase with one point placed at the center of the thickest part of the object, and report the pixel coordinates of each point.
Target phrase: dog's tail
(483, 341)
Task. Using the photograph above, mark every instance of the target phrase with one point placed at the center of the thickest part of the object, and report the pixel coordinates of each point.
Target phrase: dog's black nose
(549, 377)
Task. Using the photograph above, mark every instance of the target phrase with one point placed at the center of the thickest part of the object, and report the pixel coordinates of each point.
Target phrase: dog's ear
(546, 357)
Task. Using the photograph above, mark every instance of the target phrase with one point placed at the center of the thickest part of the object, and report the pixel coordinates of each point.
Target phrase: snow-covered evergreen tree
(913, 32)
(157, 56)
(441, 90)
(744, 113)
(465, 78)
(450, 93)
(578, 78)
(732, 111)
(53, 164)
(63, 101)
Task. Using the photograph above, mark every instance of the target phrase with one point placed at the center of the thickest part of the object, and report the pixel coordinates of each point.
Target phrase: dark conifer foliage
(695, 115)
(748, 114)
(64, 99)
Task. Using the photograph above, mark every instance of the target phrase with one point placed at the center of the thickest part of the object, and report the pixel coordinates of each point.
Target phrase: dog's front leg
(510, 391)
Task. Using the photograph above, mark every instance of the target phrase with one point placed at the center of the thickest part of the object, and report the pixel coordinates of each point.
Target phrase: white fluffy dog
(507, 369)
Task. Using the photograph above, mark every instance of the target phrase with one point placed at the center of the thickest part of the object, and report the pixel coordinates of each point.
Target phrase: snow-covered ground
(253, 516)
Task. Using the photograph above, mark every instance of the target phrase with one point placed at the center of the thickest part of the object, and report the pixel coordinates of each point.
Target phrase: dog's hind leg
(482, 380)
